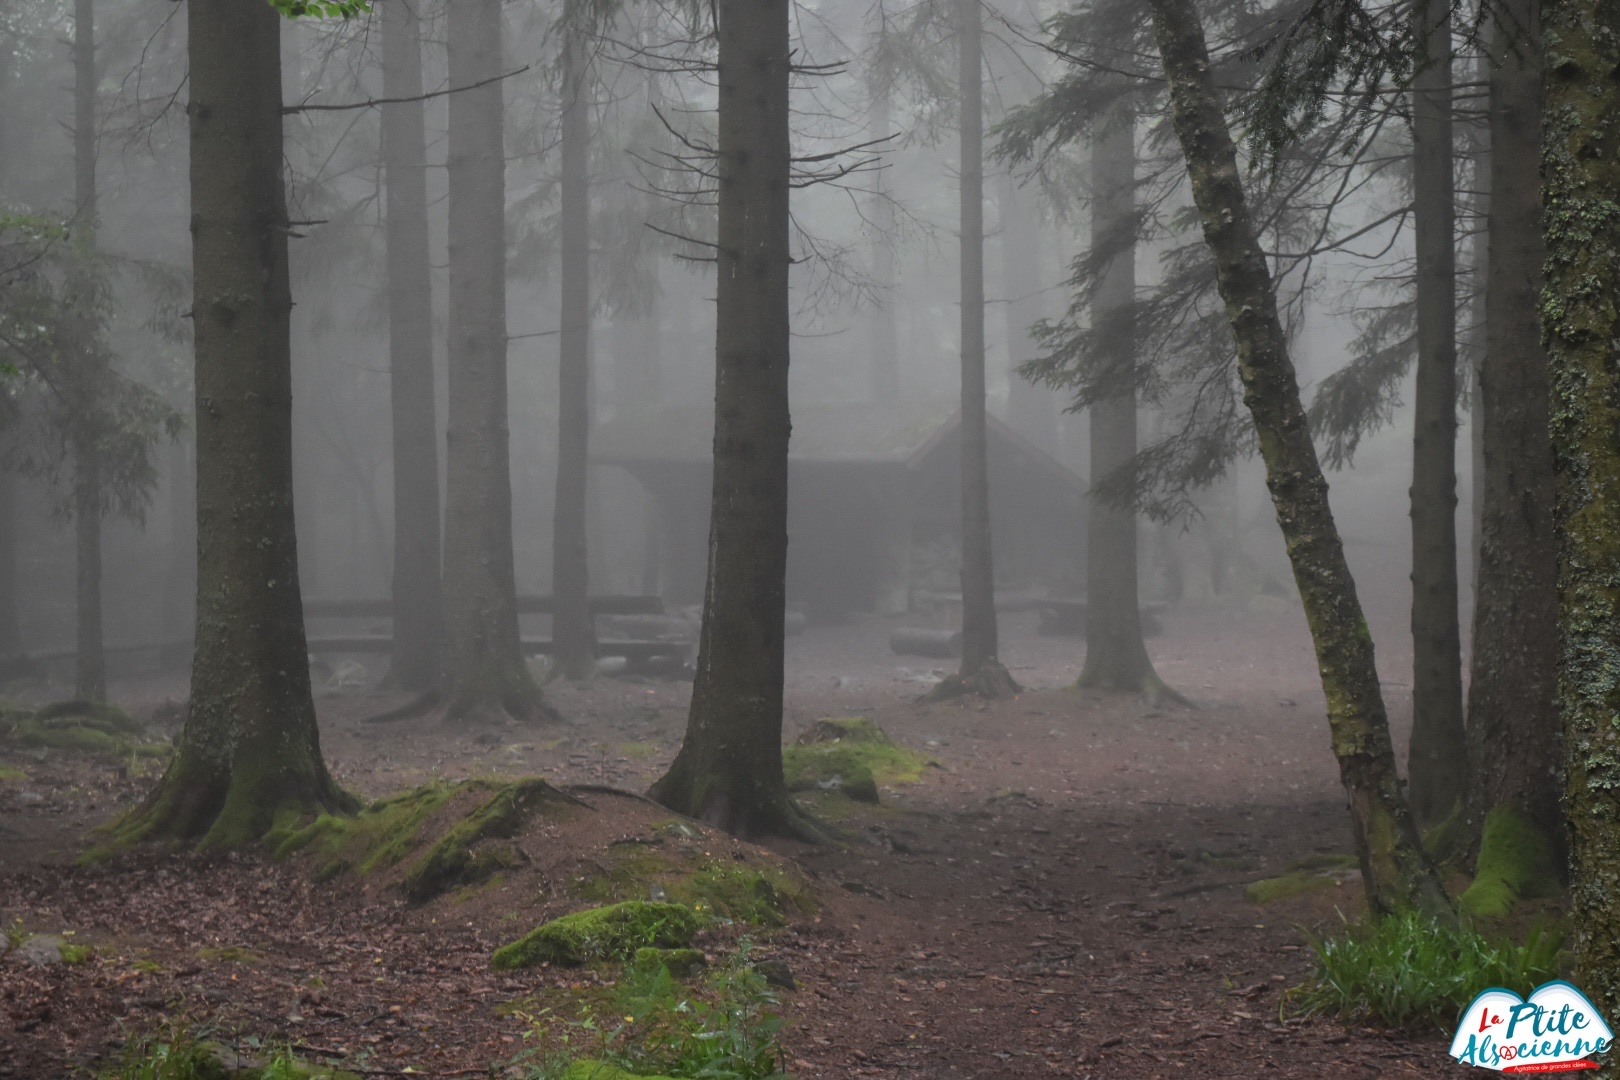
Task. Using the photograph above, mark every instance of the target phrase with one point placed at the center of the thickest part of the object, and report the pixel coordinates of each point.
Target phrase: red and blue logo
(1556, 1030)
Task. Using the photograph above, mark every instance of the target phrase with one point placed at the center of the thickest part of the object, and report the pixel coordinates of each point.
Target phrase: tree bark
(250, 750)
(729, 768)
(10, 628)
(418, 598)
(1437, 760)
(483, 673)
(981, 671)
(885, 343)
(1513, 735)
(90, 663)
(573, 632)
(180, 580)
(1395, 871)
(1580, 317)
(1116, 658)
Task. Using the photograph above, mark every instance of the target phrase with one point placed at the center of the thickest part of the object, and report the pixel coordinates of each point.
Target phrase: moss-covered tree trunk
(1116, 658)
(573, 633)
(250, 750)
(418, 599)
(1514, 743)
(1580, 319)
(981, 671)
(729, 768)
(483, 674)
(1395, 871)
(90, 664)
(1437, 761)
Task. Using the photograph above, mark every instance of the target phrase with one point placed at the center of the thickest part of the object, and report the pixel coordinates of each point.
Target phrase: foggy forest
(755, 540)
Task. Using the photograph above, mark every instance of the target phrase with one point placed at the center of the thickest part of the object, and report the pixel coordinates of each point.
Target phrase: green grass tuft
(1408, 971)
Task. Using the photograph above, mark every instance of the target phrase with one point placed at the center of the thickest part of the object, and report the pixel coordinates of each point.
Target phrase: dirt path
(1064, 897)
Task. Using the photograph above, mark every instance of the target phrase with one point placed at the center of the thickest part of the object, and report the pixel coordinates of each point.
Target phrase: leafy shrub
(1409, 971)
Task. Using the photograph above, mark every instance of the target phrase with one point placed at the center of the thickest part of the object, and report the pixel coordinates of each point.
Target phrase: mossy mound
(850, 755)
(591, 1069)
(681, 963)
(1515, 863)
(1293, 883)
(392, 831)
(852, 729)
(675, 865)
(83, 727)
(614, 932)
(757, 895)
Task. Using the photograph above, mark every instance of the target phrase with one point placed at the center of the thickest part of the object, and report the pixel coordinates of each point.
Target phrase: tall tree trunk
(483, 670)
(1116, 658)
(1580, 173)
(1437, 763)
(250, 750)
(885, 343)
(90, 667)
(1031, 408)
(418, 598)
(981, 671)
(180, 580)
(573, 635)
(10, 627)
(1395, 871)
(1513, 735)
(729, 768)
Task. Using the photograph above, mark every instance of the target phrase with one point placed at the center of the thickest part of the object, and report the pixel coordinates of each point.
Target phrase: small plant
(726, 1030)
(173, 1053)
(16, 934)
(1409, 971)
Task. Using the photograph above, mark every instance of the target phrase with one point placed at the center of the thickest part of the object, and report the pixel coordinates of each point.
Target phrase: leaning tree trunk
(90, 666)
(483, 672)
(1514, 742)
(1116, 658)
(1580, 173)
(1395, 871)
(250, 752)
(729, 768)
(1437, 764)
(573, 636)
(418, 599)
(981, 671)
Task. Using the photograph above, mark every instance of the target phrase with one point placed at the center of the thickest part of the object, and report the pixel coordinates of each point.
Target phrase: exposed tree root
(752, 813)
(1153, 690)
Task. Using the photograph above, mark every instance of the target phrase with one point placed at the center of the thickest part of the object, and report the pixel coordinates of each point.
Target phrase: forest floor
(1063, 896)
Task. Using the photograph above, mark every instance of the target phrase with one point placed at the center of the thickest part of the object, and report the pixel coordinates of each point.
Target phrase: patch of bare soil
(1062, 897)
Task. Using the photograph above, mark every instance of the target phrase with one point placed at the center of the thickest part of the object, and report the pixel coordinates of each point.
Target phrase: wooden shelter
(874, 507)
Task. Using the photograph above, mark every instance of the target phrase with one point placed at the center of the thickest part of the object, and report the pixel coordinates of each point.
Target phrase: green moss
(1295, 883)
(1447, 842)
(11, 772)
(681, 963)
(452, 860)
(639, 751)
(591, 1069)
(380, 836)
(94, 734)
(1515, 862)
(604, 933)
(147, 967)
(1338, 861)
(852, 755)
(760, 896)
(75, 954)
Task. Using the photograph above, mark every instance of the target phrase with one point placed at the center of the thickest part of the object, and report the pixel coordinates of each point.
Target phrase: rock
(41, 950)
(682, 963)
(776, 974)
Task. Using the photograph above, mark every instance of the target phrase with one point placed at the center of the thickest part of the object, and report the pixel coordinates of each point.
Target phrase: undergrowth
(179, 1053)
(1408, 971)
(724, 1028)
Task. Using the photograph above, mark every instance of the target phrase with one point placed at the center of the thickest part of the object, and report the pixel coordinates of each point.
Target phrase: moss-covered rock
(851, 755)
(83, 727)
(682, 963)
(614, 932)
(1515, 863)
(1293, 883)
(591, 1069)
